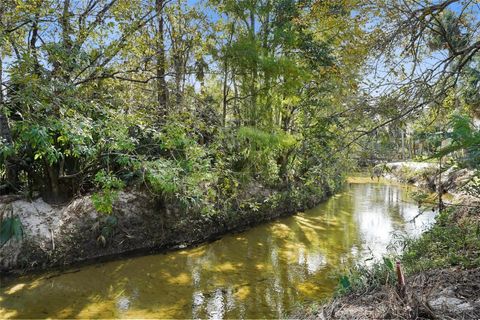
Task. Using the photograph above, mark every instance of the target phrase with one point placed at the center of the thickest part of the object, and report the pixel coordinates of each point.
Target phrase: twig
(53, 239)
(401, 282)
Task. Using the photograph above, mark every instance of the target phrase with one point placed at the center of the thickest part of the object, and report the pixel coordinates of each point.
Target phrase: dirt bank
(451, 293)
(64, 235)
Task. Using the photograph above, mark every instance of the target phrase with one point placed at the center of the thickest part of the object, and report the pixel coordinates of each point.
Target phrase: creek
(261, 273)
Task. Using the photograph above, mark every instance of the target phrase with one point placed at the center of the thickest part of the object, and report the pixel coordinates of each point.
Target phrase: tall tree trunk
(11, 170)
(162, 91)
(225, 93)
(267, 82)
(33, 44)
(184, 77)
(53, 191)
(178, 79)
(253, 84)
(236, 109)
(67, 41)
(226, 88)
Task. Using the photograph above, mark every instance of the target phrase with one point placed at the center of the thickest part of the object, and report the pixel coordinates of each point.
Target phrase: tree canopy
(195, 101)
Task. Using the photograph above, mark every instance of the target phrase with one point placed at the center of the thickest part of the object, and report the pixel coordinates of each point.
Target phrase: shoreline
(155, 231)
(437, 284)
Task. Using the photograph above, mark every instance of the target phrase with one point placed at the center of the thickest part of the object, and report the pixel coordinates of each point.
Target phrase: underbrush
(362, 279)
(454, 240)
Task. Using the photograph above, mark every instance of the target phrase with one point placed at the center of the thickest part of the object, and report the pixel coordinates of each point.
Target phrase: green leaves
(345, 283)
(83, 106)
(11, 228)
(164, 176)
(109, 186)
(363, 278)
(454, 240)
(184, 180)
(465, 136)
(261, 139)
(388, 263)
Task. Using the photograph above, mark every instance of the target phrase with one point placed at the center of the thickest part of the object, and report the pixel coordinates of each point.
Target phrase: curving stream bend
(261, 273)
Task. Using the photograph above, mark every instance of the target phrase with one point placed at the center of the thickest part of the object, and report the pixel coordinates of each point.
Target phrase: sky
(373, 79)
(376, 83)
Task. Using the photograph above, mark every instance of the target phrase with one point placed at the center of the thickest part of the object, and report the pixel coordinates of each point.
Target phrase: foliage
(363, 279)
(11, 227)
(464, 136)
(235, 113)
(452, 241)
(109, 186)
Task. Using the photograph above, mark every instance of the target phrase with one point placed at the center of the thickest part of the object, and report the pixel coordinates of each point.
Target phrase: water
(261, 273)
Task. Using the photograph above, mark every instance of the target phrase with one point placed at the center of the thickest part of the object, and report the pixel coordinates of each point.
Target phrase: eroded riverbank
(262, 272)
(76, 233)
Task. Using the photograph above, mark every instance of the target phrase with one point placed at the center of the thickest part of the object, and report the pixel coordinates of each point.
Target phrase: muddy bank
(436, 294)
(63, 235)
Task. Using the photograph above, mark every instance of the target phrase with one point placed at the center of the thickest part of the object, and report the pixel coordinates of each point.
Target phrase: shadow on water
(259, 273)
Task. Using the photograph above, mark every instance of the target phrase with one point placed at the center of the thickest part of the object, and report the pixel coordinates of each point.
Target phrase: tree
(11, 170)
(162, 90)
(102, 94)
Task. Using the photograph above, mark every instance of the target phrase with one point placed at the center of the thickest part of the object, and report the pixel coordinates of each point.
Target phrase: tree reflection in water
(256, 274)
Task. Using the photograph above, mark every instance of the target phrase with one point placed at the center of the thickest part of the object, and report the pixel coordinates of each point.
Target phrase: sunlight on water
(256, 274)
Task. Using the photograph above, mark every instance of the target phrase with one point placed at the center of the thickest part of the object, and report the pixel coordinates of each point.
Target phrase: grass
(362, 279)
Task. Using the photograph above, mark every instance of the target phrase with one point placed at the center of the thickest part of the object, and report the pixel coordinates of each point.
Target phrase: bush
(454, 240)
(362, 279)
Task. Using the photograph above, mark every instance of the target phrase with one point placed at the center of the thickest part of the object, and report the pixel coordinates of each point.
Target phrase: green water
(261, 273)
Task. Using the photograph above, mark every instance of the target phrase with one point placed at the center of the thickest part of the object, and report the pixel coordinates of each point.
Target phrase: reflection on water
(255, 274)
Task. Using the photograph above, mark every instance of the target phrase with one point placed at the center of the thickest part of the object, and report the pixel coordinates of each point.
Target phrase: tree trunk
(179, 56)
(33, 44)
(52, 192)
(403, 144)
(66, 69)
(225, 93)
(178, 79)
(253, 121)
(11, 170)
(162, 91)
(236, 109)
